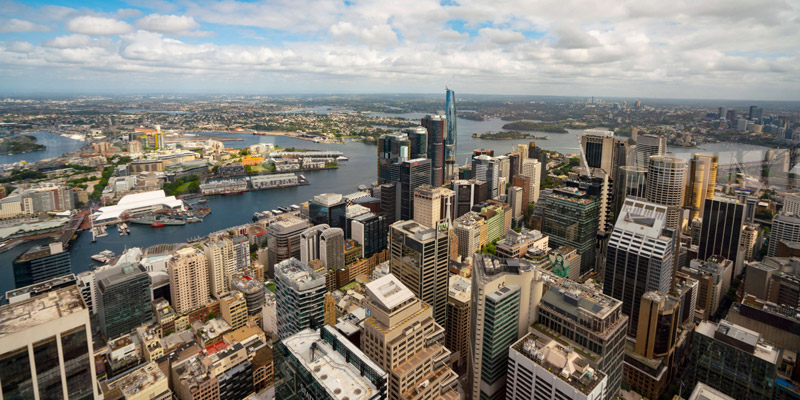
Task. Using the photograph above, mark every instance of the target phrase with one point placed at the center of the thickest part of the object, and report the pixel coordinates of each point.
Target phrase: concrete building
(253, 291)
(533, 170)
(748, 246)
(649, 145)
(420, 259)
(283, 239)
(565, 262)
(515, 199)
(370, 230)
(600, 148)
(785, 227)
(702, 181)
(433, 204)
(630, 182)
(323, 364)
(402, 337)
(331, 248)
(666, 178)
(221, 263)
(777, 324)
(41, 263)
(714, 277)
(571, 218)
(468, 192)
(147, 382)
(721, 230)
(46, 348)
(732, 360)
(123, 299)
(547, 370)
(639, 257)
(188, 280)
(517, 245)
(704, 392)
(791, 203)
(456, 334)
(524, 183)
(472, 233)
(299, 294)
(486, 168)
(233, 309)
(775, 279)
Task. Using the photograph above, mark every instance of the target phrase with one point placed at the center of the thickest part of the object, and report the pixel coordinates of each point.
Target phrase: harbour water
(360, 169)
(55, 145)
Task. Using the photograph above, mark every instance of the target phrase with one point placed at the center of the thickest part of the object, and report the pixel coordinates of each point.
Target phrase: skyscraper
(436, 126)
(571, 216)
(283, 239)
(309, 243)
(221, 265)
(630, 182)
(402, 337)
(649, 145)
(418, 141)
(599, 147)
(331, 248)
(432, 204)
(49, 336)
(532, 169)
(639, 257)
(467, 194)
(537, 153)
(702, 181)
(328, 208)
(188, 280)
(370, 231)
(409, 175)
(123, 299)
(41, 263)
(452, 136)
(458, 311)
(392, 148)
(665, 186)
(299, 293)
(485, 168)
(420, 259)
(723, 220)
(472, 233)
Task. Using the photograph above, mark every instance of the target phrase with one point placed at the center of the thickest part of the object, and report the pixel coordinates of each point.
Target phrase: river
(234, 210)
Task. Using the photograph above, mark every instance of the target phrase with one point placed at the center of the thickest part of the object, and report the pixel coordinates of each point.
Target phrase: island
(535, 126)
(506, 135)
(19, 144)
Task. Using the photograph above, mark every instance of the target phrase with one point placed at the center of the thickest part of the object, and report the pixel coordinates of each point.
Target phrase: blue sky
(648, 48)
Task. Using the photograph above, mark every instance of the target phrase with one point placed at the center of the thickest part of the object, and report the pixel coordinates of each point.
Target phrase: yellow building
(248, 160)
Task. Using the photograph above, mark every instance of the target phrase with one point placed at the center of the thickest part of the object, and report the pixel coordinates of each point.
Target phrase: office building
(630, 182)
(704, 392)
(309, 242)
(456, 333)
(756, 113)
(331, 248)
(733, 360)
(570, 218)
(408, 176)
(418, 141)
(702, 181)
(123, 299)
(524, 183)
(600, 150)
(402, 337)
(452, 136)
(486, 168)
(253, 292)
(221, 262)
(649, 145)
(420, 259)
(791, 203)
(516, 200)
(749, 242)
(188, 280)
(537, 153)
(47, 337)
(299, 291)
(322, 364)
(41, 263)
(283, 239)
(564, 262)
(775, 279)
(785, 227)
(370, 231)
(472, 233)
(146, 382)
(468, 193)
(233, 309)
(714, 280)
(639, 257)
(392, 148)
(495, 221)
(436, 127)
(545, 369)
(433, 204)
(532, 169)
(328, 208)
(222, 371)
(721, 232)
(777, 324)
(665, 186)
(517, 244)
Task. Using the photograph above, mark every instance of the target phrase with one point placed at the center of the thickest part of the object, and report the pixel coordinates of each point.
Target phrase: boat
(276, 212)
(151, 219)
(103, 256)
(193, 219)
(342, 158)
(157, 224)
(231, 193)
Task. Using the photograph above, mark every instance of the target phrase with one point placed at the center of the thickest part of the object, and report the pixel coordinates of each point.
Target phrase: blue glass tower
(450, 140)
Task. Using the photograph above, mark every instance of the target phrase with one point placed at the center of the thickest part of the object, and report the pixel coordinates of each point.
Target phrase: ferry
(342, 158)
(103, 256)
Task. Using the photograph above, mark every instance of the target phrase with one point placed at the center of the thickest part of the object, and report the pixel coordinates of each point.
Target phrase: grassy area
(271, 287)
(350, 285)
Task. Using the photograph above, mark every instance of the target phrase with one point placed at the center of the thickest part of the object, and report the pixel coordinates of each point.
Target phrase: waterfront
(229, 211)
(55, 145)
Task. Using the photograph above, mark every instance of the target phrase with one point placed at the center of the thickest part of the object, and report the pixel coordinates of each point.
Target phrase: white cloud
(501, 36)
(20, 25)
(128, 13)
(375, 35)
(91, 25)
(20, 47)
(170, 24)
(76, 41)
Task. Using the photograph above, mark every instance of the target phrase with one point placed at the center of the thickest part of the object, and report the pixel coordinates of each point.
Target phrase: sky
(717, 49)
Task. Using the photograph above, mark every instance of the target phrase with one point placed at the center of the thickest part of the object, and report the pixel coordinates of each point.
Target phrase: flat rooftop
(389, 292)
(138, 380)
(329, 368)
(739, 337)
(561, 361)
(460, 288)
(297, 274)
(704, 392)
(31, 313)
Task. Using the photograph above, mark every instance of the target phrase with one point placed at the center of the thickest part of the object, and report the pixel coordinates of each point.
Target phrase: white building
(139, 203)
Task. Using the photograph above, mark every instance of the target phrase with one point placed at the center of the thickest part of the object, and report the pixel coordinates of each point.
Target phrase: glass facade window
(15, 375)
(48, 373)
(75, 348)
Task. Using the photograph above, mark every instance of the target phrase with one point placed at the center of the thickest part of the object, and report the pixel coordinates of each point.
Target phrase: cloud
(14, 25)
(128, 13)
(91, 25)
(76, 41)
(170, 24)
(20, 47)
(501, 36)
(374, 35)
(573, 38)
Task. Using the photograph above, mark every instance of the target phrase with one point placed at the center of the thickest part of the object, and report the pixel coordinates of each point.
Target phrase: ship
(342, 158)
(157, 220)
(103, 256)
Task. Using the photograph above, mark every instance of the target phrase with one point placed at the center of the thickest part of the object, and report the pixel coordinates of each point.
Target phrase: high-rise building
(649, 145)
(331, 248)
(299, 295)
(188, 280)
(283, 239)
(532, 169)
(328, 208)
(524, 183)
(456, 333)
(701, 183)
(390, 207)
(402, 337)
(545, 369)
(123, 299)
(467, 194)
(747, 246)
(571, 216)
(791, 203)
(370, 231)
(494, 215)
(253, 291)
(418, 141)
(472, 233)
(537, 153)
(599, 147)
(46, 347)
(517, 245)
(408, 176)
(322, 364)
(714, 280)
(224, 372)
(41, 263)
(485, 168)
(639, 257)
(756, 113)
(420, 259)
(392, 148)
(785, 227)
(433, 204)
(630, 182)
(221, 263)
(309, 243)
(233, 309)
(516, 200)
(733, 360)
(436, 126)
(665, 186)
(452, 136)
(720, 235)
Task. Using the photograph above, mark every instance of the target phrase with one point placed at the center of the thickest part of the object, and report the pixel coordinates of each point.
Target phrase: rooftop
(26, 292)
(642, 217)
(704, 392)
(739, 337)
(298, 275)
(138, 380)
(389, 292)
(460, 288)
(38, 310)
(329, 368)
(560, 360)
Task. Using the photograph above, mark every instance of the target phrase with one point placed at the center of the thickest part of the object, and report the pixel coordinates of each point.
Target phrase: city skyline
(564, 49)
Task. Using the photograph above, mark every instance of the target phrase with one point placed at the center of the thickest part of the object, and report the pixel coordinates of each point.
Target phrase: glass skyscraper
(452, 136)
